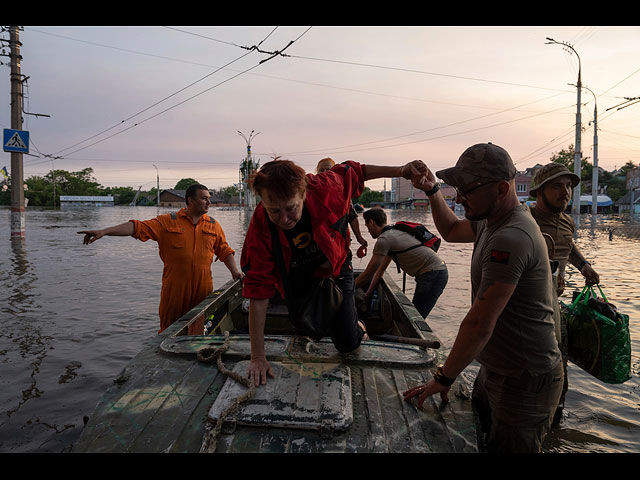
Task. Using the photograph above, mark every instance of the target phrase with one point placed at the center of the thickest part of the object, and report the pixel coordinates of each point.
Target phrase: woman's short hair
(328, 160)
(281, 178)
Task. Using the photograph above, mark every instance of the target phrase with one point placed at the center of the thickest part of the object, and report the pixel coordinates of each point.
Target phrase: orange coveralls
(187, 252)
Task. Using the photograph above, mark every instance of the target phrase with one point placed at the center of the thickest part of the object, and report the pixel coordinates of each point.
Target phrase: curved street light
(248, 198)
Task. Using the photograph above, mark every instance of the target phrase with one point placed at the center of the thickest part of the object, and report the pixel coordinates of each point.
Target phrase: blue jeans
(429, 287)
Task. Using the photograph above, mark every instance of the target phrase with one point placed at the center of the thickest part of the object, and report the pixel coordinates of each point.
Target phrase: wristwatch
(439, 377)
(433, 190)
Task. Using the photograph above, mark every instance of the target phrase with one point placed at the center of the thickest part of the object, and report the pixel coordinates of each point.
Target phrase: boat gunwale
(231, 292)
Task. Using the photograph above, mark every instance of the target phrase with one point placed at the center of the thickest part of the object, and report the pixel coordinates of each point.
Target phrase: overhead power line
(273, 54)
(422, 72)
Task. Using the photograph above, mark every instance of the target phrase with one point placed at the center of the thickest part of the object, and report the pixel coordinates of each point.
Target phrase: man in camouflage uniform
(552, 187)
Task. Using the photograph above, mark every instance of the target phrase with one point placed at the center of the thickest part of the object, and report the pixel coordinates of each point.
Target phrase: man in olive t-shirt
(509, 328)
(513, 251)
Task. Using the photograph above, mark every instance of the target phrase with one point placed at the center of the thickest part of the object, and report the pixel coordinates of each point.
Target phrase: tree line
(45, 191)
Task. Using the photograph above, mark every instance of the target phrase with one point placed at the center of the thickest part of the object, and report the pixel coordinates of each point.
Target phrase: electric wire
(176, 105)
(352, 63)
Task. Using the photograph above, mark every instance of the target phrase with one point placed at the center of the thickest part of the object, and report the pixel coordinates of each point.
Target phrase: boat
(173, 397)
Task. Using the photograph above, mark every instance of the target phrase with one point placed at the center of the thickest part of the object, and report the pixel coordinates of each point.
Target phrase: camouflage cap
(549, 172)
(483, 161)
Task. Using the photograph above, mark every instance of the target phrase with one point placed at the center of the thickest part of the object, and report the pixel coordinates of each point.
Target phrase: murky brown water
(72, 315)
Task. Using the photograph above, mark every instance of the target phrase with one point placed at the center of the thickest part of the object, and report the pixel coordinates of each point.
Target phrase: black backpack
(420, 232)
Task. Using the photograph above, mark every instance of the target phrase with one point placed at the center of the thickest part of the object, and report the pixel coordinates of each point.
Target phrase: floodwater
(72, 315)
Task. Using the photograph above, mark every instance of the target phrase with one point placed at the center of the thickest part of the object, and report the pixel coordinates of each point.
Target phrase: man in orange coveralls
(188, 240)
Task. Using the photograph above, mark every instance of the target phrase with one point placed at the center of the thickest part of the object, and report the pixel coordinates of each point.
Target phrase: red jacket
(328, 200)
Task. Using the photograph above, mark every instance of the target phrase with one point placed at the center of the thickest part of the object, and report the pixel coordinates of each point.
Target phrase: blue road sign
(16, 140)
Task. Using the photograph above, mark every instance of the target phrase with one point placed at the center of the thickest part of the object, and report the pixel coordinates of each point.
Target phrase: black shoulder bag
(312, 314)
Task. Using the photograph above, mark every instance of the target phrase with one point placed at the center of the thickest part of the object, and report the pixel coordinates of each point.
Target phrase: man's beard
(475, 216)
(550, 206)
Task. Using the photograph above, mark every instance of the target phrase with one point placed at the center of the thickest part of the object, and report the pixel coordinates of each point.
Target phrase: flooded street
(72, 315)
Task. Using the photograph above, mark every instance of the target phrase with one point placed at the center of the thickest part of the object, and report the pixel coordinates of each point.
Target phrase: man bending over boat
(414, 258)
(509, 328)
(187, 240)
(309, 217)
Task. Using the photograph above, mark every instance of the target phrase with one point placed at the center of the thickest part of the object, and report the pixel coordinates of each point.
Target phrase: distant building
(172, 198)
(523, 183)
(176, 198)
(86, 201)
(404, 195)
(633, 179)
(624, 202)
(604, 204)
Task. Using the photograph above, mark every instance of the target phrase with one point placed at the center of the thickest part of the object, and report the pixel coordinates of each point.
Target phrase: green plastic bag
(598, 337)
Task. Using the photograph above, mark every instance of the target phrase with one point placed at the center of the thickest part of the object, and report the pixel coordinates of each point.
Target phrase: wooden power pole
(17, 173)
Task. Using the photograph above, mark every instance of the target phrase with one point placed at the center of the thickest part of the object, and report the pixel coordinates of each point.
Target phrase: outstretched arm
(122, 230)
(452, 228)
(474, 333)
(414, 171)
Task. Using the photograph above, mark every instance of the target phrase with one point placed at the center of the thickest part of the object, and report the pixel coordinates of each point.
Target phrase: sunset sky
(123, 99)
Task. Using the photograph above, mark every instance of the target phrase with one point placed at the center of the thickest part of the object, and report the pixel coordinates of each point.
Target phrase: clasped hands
(419, 174)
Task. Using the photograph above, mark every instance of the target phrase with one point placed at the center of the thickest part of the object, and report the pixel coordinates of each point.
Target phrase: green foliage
(45, 191)
(369, 196)
(227, 193)
(247, 167)
(121, 195)
(184, 183)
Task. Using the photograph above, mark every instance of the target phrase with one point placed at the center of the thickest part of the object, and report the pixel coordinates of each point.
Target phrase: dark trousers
(516, 413)
(345, 332)
(429, 287)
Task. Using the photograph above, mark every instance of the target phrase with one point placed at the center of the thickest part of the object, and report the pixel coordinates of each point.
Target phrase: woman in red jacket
(310, 215)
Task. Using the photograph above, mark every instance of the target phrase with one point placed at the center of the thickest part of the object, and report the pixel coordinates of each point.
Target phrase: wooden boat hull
(165, 400)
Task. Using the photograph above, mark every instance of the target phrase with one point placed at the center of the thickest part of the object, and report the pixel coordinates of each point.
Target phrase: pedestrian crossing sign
(16, 140)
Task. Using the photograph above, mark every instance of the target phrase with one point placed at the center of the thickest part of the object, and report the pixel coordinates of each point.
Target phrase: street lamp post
(594, 176)
(248, 196)
(575, 209)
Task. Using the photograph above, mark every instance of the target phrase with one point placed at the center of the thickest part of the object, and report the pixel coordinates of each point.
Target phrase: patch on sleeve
(499, 256)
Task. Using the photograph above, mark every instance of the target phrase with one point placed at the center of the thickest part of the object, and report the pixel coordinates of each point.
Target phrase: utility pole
(17, 173)
(575, 208)
(594, 175)
(628, 101)
(157, 187)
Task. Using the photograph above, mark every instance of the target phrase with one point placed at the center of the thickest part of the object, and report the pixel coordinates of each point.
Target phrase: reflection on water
(73, 315)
